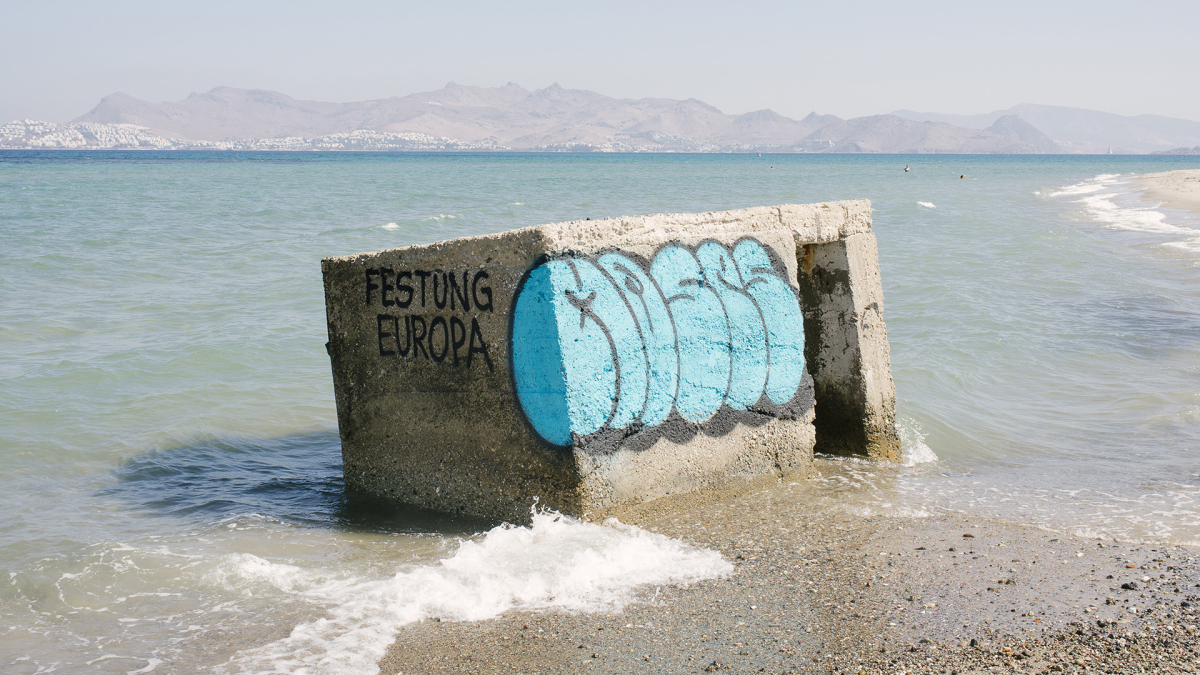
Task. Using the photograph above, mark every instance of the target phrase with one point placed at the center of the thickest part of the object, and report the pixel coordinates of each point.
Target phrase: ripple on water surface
(172, 479)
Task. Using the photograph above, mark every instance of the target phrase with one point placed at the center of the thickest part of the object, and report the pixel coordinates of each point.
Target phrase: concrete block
(588, 364)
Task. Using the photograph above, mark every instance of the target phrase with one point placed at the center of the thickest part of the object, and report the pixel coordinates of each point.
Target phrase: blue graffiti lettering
(608, 344)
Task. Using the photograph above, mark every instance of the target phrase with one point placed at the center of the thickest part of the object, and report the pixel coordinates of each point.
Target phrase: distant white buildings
(34, 134)
(47, 135)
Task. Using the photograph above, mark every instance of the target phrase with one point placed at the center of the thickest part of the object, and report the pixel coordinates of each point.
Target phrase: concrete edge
(810, 224)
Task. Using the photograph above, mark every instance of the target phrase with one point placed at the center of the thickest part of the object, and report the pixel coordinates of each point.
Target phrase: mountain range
(1080, 130)
(556, 118)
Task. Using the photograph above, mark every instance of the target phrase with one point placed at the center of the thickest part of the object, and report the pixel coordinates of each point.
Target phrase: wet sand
(1175, 189)
(822, 586)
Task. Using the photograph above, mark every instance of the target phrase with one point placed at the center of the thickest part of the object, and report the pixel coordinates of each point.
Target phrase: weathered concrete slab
(588, 364)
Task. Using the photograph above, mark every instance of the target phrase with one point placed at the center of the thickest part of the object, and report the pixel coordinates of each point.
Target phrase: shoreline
(1179, 189)
(820, 587)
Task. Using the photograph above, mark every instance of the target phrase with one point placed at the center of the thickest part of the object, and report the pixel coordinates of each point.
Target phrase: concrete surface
(597, 364)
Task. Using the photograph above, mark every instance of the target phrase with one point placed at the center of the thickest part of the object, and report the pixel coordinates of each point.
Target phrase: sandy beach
(1175, 189)
(821, 587)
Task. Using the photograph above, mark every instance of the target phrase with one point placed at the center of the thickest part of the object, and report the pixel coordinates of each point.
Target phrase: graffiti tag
(608, 343)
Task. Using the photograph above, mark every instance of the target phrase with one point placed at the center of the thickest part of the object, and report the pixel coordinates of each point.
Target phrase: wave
(557, 562)
(1088, 186)
(1114, 202)
(913, 450)
(928, 205)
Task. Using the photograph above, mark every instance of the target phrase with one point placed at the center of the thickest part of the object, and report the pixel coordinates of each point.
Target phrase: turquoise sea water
(170, 476)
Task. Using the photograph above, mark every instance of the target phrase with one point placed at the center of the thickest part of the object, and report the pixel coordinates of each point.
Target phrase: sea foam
(555, 563)
(913, 449)
(1111, 201)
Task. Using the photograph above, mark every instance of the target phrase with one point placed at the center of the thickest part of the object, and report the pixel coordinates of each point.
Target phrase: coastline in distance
(459, 117)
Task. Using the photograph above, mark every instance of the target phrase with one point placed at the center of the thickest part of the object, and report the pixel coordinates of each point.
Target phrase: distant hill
(1080, 130)
(1179, 151)
(550, 118)
(892, 134)
(554, 118)
(223, 113)
(1013, 126)
(459, 117)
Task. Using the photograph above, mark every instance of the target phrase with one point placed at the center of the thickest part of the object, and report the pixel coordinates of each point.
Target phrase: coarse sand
(824, 584)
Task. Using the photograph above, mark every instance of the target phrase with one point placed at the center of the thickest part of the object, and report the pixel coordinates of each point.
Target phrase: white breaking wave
(928, 205)
(1113, 201)
(441, 216)
(1088, 186)
(913, 449)
(390, 226)
(555, 563)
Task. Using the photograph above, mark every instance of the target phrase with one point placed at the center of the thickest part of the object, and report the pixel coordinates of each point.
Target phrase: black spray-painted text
(443, 339)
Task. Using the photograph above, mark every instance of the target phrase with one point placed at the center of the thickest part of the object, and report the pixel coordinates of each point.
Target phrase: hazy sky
(850, 59)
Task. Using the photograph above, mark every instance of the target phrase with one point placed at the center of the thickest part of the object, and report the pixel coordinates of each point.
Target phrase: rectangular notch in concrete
(847, 347)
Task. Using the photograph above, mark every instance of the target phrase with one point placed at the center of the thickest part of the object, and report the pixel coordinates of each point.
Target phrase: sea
(171, 496)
